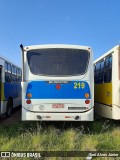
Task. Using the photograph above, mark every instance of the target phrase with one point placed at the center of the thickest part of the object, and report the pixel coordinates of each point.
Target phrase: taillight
(28, 101)
(87, 101)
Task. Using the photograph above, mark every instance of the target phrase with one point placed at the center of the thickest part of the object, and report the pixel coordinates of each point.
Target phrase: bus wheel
(9, 108)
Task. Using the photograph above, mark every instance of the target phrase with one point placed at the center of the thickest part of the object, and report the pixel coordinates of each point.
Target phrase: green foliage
(61, 136)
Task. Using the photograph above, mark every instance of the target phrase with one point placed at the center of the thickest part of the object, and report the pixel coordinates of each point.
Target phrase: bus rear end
(57, 83)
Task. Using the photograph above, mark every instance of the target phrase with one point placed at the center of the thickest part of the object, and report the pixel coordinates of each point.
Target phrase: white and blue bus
(10, 87)
(57, 83)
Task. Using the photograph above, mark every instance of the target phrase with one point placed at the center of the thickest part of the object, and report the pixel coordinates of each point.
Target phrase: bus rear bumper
(33, 116)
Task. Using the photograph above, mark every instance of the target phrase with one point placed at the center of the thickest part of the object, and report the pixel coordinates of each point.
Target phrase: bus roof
(107, 53)
(56, 46)
(5, 59)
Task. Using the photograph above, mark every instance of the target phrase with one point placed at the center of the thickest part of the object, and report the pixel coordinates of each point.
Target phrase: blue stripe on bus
(45, 90)
(12, 90)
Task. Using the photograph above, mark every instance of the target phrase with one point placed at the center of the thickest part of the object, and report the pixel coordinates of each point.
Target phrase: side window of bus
(18, 75)
(97, 77)
(14, 74)
(101, 71)
(95, 73)
(108, 69)
(6, 69)
(7, 72)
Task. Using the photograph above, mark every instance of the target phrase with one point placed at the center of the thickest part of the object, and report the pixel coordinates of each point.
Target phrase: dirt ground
(16, 117)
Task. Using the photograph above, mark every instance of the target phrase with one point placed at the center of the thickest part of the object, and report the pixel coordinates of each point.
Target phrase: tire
(9, 108)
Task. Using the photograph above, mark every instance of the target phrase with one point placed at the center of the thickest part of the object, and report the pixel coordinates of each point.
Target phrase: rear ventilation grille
(76, 108)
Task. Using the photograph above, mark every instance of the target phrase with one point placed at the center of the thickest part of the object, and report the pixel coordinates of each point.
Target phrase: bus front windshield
(58, 61)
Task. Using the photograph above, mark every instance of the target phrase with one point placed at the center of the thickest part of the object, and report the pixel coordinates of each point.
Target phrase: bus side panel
(3, 99)
(12, 90)
(116, 99)
(103, 93)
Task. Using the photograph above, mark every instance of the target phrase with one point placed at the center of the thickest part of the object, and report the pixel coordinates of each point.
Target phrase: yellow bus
(107, 84)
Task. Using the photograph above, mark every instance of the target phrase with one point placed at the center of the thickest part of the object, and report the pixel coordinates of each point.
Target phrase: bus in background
(10, 87)
(57, 83)
(107, 84)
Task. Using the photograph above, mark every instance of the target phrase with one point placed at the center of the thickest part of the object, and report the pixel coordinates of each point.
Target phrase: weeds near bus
(61, 136)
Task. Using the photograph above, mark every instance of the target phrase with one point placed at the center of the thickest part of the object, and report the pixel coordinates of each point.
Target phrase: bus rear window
(58, 62)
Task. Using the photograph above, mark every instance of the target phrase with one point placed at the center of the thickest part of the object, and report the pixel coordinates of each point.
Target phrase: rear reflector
(28, 101)
(87, 101)
(67, 117)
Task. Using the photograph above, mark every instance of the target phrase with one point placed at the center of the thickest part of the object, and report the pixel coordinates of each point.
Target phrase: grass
(60, 136)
